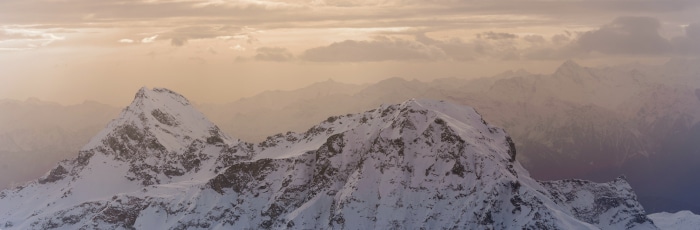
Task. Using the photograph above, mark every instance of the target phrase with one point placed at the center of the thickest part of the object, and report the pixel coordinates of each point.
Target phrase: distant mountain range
(578, 122)
(35, 135)
(420, 164)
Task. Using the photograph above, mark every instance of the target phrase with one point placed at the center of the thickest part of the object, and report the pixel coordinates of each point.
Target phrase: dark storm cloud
(276, 54)
(627, 36)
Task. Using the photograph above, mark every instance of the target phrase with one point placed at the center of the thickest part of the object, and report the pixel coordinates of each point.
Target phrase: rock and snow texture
(162, 137)
(683, 220)
(418, 165)
(610, 205)
(157, 139)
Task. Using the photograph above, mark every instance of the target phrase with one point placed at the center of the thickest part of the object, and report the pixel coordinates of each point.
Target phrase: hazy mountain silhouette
(578, 122)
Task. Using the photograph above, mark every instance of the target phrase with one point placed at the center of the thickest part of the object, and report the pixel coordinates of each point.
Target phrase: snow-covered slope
(578, 122)
(419, 164)
(682, 220)
(157, 139)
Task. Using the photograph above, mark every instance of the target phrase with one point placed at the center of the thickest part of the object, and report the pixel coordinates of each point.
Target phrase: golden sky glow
(217, 51)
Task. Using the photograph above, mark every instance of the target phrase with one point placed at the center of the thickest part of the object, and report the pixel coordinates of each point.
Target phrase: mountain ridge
(643, 116)
(421, 163)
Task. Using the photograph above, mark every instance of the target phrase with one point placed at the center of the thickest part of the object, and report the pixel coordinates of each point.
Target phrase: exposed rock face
(610, 205)
(420, 164)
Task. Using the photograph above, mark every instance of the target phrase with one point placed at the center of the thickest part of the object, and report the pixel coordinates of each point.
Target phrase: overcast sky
(220, 50)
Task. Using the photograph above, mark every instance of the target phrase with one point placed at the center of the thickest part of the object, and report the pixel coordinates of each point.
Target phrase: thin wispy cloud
(149, 39)
(237, 47)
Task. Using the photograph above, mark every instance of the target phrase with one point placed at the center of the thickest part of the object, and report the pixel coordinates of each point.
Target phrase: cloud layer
(276, 54)
(187, 43)
(623, 37)
(379, 49)
(627, 35)
(361, 31)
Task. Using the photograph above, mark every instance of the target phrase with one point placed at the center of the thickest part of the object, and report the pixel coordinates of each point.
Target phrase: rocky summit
(421, 164)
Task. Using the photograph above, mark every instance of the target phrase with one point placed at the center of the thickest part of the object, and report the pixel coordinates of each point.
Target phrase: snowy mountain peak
(464, 122)
(158, 94)
(418, 164)
(159, 136)
(145, 93)
(161, 114)
(421, 164)
(411, 120)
